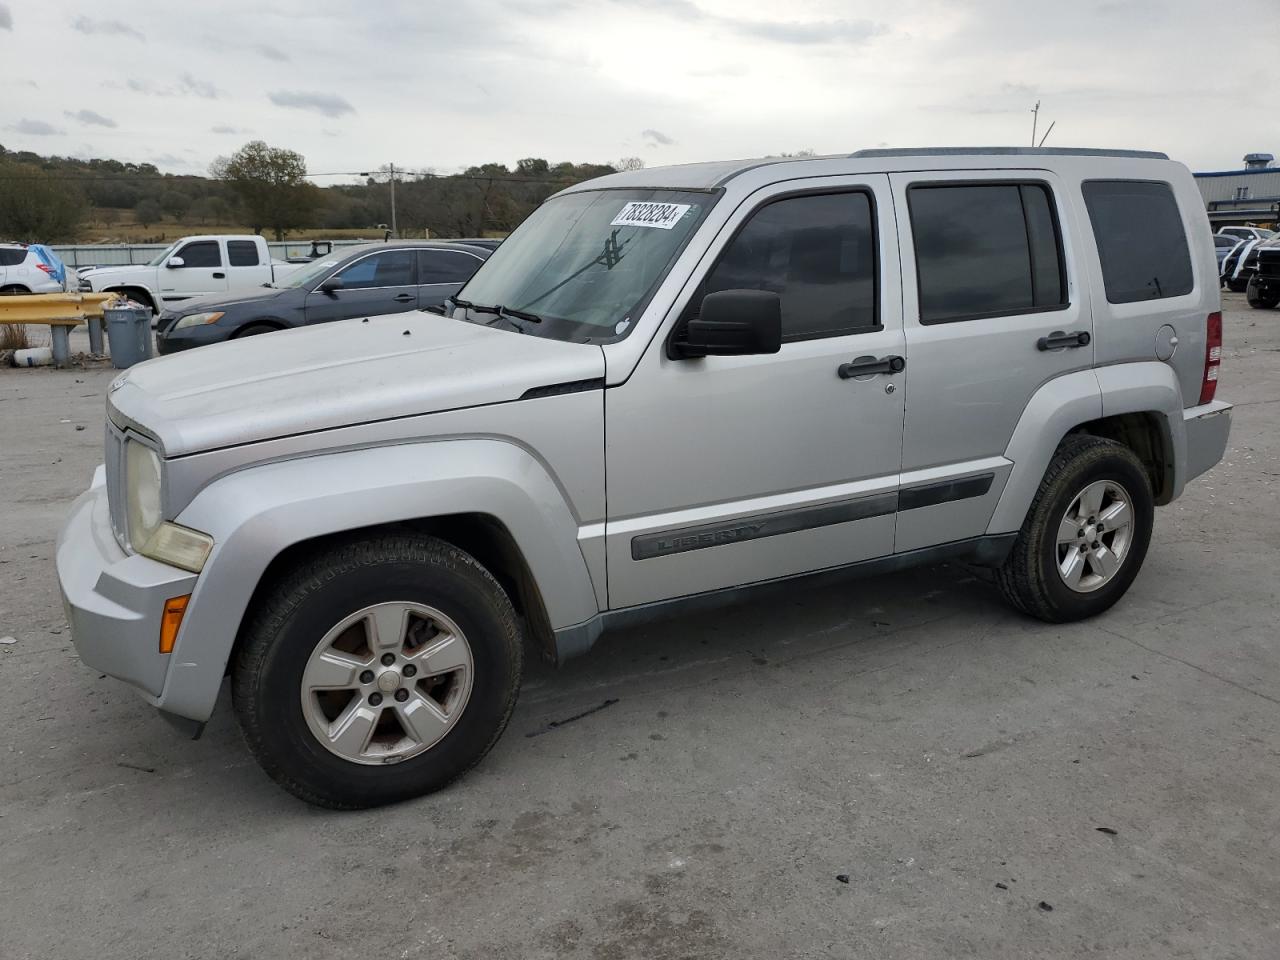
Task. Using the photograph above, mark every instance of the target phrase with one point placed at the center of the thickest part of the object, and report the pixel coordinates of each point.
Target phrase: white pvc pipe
(33, 357)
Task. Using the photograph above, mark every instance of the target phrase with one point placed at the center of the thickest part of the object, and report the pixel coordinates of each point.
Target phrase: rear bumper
(114, 599)
(1207, 428)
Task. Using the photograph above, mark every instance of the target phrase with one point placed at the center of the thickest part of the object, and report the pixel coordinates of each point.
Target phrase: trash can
(128, 334)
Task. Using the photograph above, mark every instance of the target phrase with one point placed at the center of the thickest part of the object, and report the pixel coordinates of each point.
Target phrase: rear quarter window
(11, 256)
(242, 253)
(1142, 243)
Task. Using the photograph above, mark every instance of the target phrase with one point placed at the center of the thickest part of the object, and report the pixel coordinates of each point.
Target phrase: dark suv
(366, 280)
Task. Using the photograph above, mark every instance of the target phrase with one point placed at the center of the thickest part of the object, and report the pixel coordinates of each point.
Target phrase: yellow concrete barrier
(60, 312)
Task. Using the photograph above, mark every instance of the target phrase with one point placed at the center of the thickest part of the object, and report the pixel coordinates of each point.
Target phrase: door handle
(219, 276)
(404, 298)
(870, 366)
(1059, 340)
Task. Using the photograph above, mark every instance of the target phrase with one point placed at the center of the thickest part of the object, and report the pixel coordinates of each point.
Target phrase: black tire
(137, 295)
(1260, 301)
(14, 290)
(255, 329)
(1029, 577)
(285, 627)
(1237, 286)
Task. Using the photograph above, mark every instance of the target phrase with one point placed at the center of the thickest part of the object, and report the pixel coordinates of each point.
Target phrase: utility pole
(391, 180)
(395, 235)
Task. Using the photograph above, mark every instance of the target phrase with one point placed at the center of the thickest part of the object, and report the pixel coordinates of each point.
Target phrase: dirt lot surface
(985, 785)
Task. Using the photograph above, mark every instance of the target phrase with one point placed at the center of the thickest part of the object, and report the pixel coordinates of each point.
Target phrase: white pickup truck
(189, 268)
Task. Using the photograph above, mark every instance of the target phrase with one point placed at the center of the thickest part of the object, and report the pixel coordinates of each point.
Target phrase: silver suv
(669, 387)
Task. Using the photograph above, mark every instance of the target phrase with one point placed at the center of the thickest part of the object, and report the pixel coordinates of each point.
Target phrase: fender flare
(256, 513)
(1069, 401)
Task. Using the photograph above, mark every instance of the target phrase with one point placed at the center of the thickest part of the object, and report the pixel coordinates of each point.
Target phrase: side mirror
(173, 262)
(331, 286)
(732, 323)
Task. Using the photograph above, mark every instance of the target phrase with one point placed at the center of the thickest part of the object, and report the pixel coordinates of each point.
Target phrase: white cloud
(111, 28)
(89, 118)
(329, 104)
(464, 83)
(36, 128)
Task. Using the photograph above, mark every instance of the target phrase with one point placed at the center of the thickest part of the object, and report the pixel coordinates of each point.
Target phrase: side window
(818, 253)
(242, 253)
(1141, 240)
(446, 266)
(986, 250)
(394, 268)
(201, 253)
(12, 256)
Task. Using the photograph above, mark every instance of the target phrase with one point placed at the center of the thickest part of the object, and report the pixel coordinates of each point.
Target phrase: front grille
(86, 286)
(114, 462)
(1269, 264)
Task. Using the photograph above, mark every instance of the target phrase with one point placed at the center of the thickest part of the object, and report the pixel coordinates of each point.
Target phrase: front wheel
(377, 671)
(1086, 534)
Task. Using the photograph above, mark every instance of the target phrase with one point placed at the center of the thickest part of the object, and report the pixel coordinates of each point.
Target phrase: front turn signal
(171, 620)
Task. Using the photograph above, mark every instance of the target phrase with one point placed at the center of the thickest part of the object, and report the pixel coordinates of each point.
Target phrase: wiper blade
(436, 308)
(468, 305)
(518, 314)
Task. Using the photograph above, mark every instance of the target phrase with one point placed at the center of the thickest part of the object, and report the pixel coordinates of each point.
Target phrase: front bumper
(1207, 428)
(114, 599)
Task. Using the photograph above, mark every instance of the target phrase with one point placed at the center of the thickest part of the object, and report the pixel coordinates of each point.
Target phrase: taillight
(45, 267)
(1212, 358)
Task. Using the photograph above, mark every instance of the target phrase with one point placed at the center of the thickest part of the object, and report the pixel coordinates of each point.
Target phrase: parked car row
(1246, 263)
(367, 280)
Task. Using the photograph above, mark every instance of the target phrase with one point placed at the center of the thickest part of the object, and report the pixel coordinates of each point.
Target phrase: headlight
(149, 533)
(196, 319)
(142, 492)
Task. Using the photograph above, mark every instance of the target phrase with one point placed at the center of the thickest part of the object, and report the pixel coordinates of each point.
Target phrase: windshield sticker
(664, 216)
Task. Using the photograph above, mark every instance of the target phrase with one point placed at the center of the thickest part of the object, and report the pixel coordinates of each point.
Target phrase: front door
(383, 282)
(734, 470)
(994, 310)
(202, 274)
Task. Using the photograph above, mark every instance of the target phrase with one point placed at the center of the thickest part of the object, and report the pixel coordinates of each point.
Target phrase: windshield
(584, 263)
(308, 272)
(164, 254)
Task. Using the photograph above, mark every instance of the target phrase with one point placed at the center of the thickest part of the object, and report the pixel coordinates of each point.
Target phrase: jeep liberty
(669, 387)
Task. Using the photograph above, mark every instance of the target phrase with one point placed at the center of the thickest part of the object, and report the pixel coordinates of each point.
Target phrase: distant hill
(64, 199)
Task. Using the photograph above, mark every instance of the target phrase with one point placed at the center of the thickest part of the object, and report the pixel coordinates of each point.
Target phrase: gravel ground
(897, 768)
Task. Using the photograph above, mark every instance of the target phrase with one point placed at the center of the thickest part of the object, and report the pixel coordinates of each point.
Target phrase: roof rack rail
(1007, 152)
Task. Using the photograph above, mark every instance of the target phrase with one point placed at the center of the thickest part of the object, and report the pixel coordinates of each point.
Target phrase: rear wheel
(377, 671)
(14, 290)
(1086, 534)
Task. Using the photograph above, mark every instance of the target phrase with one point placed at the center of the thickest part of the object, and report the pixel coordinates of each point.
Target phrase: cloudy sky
(434, 84)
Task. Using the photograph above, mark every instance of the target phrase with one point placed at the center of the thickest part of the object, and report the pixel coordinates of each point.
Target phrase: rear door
(993, 310)
(442, 273)
(203, 272)
(382, 282)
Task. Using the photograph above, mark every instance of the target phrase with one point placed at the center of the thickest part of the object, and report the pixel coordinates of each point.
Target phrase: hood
(223, 302)
(336, 374)
(108, 274)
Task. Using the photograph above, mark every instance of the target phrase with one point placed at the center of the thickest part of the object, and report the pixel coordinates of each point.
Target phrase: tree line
(52, 199)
